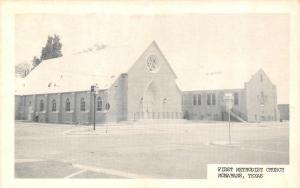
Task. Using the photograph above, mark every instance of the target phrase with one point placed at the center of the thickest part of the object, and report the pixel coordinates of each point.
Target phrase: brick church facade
(136, 85)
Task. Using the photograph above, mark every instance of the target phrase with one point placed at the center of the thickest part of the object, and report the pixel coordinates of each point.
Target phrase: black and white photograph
(155, 95)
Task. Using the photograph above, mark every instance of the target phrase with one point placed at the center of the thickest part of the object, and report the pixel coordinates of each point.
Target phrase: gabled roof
(78, 72)
(261, 72)
(168, 64)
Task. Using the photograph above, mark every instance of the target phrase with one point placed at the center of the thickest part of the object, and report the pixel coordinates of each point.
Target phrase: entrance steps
(237, 117)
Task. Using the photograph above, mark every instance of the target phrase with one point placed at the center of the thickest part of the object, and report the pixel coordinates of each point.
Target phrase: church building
(125, 84)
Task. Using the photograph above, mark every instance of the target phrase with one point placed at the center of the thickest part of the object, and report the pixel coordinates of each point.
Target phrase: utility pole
(229, 110)
(228, 99)
(93, 91)
(94, 111)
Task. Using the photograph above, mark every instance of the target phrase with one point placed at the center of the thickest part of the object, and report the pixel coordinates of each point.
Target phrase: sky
(191, 42)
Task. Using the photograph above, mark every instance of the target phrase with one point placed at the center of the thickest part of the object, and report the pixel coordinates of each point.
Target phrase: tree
(52, 48)
(56, 47)
(47, 50)
(22, 69)
(35, 62)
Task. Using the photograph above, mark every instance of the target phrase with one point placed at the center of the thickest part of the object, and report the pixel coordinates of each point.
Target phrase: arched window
(107, 106)
(82, 104)
(194, 100)
(208, 99)
(68, 105)
(53, 105)
(99, 104)
(199, 99)
(41, 105)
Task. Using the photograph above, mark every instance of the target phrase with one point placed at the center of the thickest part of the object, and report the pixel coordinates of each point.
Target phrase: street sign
(228, 99)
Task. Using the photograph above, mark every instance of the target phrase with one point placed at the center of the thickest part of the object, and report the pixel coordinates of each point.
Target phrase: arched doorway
(151, 101)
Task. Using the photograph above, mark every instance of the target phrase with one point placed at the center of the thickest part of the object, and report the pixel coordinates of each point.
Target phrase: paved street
(143, 151)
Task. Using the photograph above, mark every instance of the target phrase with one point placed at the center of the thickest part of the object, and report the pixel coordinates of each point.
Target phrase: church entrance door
(152, 101)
